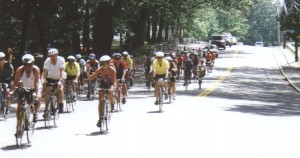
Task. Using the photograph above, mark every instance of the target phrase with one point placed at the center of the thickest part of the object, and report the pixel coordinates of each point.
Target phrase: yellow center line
(219, 81)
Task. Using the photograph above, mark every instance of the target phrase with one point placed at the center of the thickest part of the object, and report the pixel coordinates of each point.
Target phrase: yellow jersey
(129, 62)
(160, 68)
(72, 71)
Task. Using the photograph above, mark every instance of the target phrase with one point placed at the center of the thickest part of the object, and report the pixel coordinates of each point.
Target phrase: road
(245, 109)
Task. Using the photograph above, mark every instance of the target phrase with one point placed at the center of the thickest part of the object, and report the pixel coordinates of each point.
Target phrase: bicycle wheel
(47, 114)
(170, 93)
(161, 92)
(54, 107)
(29, 127)
(102, 117)
(20, 127)
(200, 82)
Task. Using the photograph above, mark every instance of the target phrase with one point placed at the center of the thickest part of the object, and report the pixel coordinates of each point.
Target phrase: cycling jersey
(54, 70)
(107, 77)
(160, 68)
(208, 57)
(179, 60)
(120, 68)
(72, 71)
(128, 61)
(94, 65)
(188, 65)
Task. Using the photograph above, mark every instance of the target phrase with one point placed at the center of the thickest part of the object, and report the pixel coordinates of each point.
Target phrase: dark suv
(219, 40)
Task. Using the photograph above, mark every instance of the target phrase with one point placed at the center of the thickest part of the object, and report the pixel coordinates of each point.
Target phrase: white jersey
(54, 70)
(29, 81)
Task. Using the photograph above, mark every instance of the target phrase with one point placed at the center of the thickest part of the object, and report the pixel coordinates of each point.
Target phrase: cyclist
(29, 75)
(160, 67)
(6, 74)
(179, 63)
(187, 67)
(129, 63)
(172, 71)
(82, 64)
(92, 64)
(121, 69)
(53, 71)
(147, 69)
(108, 80)
(209, 58)
(72, 69)
(133, 66)
(195, 61)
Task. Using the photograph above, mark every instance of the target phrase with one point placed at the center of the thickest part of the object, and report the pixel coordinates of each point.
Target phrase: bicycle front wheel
(103, 117)
(47, 114)
(161, 99)
(20, 128)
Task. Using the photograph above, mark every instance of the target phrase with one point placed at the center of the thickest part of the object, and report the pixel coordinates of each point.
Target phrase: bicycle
(170, 87)
(50, 112)
(187, 79)
(209, 66)
(91, 89)
(201, 74)
(104, 115)
(3, 90)
(24, 125)
(70, 101)
(161, 82)
(118, 94)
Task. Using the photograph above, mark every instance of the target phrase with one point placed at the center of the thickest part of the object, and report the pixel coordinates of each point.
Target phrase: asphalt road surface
(245, 109)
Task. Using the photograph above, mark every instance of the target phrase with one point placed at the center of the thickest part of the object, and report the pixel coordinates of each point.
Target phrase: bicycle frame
(69, 95)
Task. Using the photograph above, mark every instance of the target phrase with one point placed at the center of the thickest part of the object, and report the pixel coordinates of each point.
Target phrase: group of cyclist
(112, 71)
(169, 66)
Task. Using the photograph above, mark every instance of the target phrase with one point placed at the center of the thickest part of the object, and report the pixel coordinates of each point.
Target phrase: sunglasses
(71, 61)
(27, 65)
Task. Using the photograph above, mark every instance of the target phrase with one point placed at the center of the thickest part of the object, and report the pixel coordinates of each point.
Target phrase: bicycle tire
(102, 117)
(161, 92)
(47, 114)
(30, 131)
(53, 101)
(170, 93)
(200, 82)
(20, 127)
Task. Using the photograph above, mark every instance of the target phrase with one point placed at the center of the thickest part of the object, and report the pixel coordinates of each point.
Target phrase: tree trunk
(167, 31)
(25, 20)
(148, 30)
(154, 30)
(160, 30)
(43, 43)
(139, 30)
(86, 29)
(103, 32)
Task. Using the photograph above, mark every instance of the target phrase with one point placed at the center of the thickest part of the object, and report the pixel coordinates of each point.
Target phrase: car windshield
(217, 37)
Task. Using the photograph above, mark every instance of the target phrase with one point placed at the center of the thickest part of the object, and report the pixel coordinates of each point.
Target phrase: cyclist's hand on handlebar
(122, 80)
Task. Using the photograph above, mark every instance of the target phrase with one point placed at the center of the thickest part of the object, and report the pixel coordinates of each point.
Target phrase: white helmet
(52, 51)
(105, 58)
(27, 59)
(125, 53)
(168, 58)
(71, 57)
(78, 56)
(159, 54)
(2, 55)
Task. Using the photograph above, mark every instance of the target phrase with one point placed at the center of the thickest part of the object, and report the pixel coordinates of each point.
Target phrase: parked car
(259, 44)
(219, 40)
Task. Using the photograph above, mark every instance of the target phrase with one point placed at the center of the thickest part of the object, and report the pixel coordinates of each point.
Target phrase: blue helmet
(92, 56)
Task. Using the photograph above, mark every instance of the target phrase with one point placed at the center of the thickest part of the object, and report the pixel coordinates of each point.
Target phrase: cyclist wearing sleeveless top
(82, 64)
(108, 80)
(6, 74)
(29, 75)
(92, 65)
(121, 69)
(72, 69)
(172, 70)
(160, 67)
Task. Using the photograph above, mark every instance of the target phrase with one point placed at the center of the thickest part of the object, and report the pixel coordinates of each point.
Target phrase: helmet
(161, 82)
(27, 59)
(105, 58)
(78, 56)
(71, 57)
(125, 53)
(117, 56)
(168, 58)
(2, 55)
(160, 54)
(52, 51)
(92, 56)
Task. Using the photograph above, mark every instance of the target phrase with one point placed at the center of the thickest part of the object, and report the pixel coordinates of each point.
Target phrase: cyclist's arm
(17, 78)
(10, 52)
(94, 75)
(44, 74)
(174, 66)
(78, 71)
(36, 79)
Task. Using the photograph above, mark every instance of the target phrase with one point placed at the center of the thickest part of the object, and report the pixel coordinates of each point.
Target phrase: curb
(282, 72)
